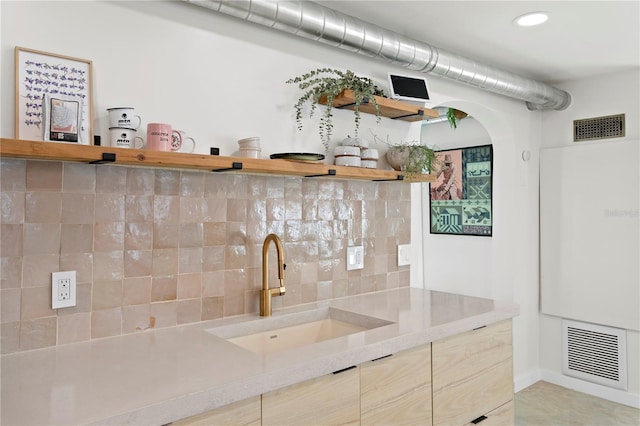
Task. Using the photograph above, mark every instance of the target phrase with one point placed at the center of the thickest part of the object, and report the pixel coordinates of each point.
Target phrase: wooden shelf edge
(39, 150)
(390, 108)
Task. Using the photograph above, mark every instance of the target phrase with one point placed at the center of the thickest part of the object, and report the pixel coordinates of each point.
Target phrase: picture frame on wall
(460, 200)
(53, 97)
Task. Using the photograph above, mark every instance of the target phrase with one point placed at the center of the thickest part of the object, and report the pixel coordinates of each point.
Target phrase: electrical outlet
(355, 258)
(63, 289)
(404, 254)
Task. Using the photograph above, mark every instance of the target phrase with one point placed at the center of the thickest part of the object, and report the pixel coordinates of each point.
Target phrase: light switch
(355, 258)
(404, 254)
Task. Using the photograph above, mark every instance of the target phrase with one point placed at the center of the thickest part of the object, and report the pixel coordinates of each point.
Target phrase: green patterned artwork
(460, 199)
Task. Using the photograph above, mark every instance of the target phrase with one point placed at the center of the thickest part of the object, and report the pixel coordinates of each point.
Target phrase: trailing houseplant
(453, 115)
(411, 158)
(329, 83)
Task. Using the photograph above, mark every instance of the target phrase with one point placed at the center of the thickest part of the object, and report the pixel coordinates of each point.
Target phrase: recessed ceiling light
(531, 19)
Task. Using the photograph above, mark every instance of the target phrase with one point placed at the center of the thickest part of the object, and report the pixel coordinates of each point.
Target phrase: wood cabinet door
(397, 390)
(241, 413)
(472, 374)
(333, 399)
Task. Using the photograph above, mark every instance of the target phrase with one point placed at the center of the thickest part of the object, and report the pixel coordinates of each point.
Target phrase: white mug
(123, 117)
(122, 137)
(178, 140)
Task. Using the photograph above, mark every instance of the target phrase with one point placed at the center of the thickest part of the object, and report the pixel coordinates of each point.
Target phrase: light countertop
(159, 376)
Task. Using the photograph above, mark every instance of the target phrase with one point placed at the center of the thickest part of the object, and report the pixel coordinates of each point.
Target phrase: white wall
(595, 97)
(221, 79)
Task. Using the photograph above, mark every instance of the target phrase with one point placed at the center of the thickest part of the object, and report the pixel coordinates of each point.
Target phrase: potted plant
(411, 158)
(328, 83)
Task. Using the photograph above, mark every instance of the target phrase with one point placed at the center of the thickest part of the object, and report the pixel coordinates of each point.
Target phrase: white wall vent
(595, 353)
(587, 129)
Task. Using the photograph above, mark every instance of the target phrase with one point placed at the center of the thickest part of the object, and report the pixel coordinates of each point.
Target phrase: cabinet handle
(382, 357)
(478, 420)
(344, 369)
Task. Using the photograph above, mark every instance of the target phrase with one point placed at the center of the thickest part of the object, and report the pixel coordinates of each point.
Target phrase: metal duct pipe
(316, 22)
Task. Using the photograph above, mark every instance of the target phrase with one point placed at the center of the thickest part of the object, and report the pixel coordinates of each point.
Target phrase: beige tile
(293, 188)
(76, 238)
(213, 258)
(212, 307)
(234, 282)
(136, 318)
(189, 311)
(44, 175)
(11, 276)
(380, 282)
(309, 292)
(105, 323)
(41, 238)
(83, 300)
(354, 286)
(109, 236)
(11, 240)
(235, 256)
(10, 337)
(10, 305)
(36, 269)
(325, 290)
(138, 236)
(191, 235)
(136, 291)
(275, 186)
(256, 187)
(166, 235)
(192, 210)
(140, 181)
(167, 182)
(12, 208)
(233, 304)
(192, 184)
(106, 295)
(236, 210)
(293, 209)
(78, 177)
(164, 288)
(256, 209)
(214, 210)
(165, 262)
(189, 286)
(74, 328)
(275, 209)
(82, 263)
(13, 174)
(166, 209)
(38, 333)
(109, 207)
(36, 303)
(252, 301)
(404, 277)
(138, 263)
(108, 265)
(190, 260)
(112, 179)
(165, 314)
(236, 233)
(139, 208)
(78, 208)
(292, 297)
(43, 207)
(216, 185)
(213, 284)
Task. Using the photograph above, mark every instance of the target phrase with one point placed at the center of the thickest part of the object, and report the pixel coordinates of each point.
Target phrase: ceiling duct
(316, 22)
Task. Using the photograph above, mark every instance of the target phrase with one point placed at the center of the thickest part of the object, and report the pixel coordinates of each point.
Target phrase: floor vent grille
(611, 126)
(594, 353)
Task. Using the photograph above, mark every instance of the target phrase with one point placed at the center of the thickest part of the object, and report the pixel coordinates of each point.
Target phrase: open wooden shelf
(139, 157)
(390, 108)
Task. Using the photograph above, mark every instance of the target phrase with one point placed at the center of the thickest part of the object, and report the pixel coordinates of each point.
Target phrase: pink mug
(159, 137)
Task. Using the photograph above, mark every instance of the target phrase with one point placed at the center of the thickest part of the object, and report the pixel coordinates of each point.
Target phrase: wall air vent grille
(611, 126)
(594, 353)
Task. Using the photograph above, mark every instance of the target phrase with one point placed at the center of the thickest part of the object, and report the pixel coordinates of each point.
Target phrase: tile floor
(545, 404)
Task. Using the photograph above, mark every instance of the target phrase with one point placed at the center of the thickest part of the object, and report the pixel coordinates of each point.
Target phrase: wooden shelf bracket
(236, 165)
(107, 157)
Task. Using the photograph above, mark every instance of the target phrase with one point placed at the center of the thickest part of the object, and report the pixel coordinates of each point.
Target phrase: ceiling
(580, 39)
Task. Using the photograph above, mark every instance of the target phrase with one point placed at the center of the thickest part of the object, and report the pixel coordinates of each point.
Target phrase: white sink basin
(281, 333)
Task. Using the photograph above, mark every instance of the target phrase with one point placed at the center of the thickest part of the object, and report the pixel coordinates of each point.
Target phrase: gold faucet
(266, 293)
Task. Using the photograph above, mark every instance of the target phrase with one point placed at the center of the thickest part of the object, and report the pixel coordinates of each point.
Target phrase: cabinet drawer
(397, 390)
(501, 416)
(333, 399)
(472, 374)
(241, 413)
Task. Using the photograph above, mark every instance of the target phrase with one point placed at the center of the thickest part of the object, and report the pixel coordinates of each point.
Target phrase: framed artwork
(53, 97)
(460, 199)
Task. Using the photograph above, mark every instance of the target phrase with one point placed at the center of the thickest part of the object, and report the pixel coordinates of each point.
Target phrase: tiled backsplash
(156, 248)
